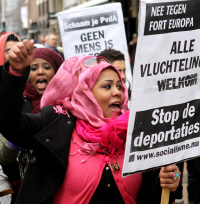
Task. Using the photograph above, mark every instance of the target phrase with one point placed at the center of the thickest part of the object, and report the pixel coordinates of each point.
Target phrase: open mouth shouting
(41, 84)
(116, 106)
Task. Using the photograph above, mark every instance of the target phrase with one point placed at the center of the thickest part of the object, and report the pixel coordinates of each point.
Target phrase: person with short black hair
(112, 55)
(117, 58)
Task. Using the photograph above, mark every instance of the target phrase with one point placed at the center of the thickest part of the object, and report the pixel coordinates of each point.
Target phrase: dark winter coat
(49, 137)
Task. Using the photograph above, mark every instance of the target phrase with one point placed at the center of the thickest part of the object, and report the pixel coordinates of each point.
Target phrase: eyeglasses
(93, 61)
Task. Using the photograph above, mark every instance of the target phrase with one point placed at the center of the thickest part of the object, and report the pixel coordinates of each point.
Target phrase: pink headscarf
(3, 39)
(70, 90)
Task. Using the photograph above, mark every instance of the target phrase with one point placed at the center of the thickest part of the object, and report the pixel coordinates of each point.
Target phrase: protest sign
(164, 121)
(89, 31)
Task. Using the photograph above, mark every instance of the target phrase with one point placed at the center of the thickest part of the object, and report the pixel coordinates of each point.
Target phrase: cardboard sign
(91, 30)
(164, 121)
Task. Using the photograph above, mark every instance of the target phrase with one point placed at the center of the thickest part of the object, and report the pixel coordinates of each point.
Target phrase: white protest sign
(164, 121)
(89, 31)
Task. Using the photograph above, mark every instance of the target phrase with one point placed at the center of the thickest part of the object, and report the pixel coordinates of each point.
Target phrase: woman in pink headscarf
(6, 42)
(78, 138)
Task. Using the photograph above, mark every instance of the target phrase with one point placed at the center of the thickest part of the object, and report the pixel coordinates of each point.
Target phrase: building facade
(43, 19)
(32, 18)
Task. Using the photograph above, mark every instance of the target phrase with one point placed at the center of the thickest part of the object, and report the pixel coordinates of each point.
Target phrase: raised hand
(169, 177)
(21, 56)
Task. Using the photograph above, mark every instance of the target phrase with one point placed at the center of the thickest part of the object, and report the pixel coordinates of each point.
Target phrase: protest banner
(164, 121)
(89, 31)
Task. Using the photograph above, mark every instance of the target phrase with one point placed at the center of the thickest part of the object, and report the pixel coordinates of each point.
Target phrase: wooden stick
(6, 192)
(165, 196)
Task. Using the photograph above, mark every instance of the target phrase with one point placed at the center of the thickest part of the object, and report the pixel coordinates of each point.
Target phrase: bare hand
(166, 177)
(21, 56)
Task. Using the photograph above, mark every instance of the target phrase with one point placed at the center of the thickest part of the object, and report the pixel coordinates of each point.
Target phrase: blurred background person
(51, 42)
(42, 39)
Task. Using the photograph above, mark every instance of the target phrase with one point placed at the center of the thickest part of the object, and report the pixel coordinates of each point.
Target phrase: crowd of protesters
(63, 128)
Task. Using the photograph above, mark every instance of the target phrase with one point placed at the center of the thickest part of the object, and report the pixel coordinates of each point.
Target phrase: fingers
(167, 179)
(171, 187)
(170, 168)
(170, 183)
(21, 50)
(32, 47)
(21, 56)
(168, 171)
(18, 52)
(27, 46)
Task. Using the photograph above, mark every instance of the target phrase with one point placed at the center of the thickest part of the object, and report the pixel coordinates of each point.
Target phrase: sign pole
(165, 196)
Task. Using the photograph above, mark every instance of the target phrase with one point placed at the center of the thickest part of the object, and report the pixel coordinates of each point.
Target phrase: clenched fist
(21, 56)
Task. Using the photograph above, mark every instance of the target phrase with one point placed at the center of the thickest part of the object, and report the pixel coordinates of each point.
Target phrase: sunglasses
(93, 61)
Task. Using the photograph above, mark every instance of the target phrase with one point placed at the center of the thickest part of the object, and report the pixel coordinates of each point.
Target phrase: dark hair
(112, 55)
(13, 38)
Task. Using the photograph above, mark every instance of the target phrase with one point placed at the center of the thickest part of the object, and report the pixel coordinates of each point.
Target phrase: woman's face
(108, 93)
(41, 73)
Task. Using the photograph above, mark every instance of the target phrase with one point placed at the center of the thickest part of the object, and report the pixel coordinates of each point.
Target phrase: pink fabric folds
(70, 90)
(87, 148)
(111, 136)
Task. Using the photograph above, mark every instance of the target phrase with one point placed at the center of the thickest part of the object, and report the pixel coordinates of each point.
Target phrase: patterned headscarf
(70, 90)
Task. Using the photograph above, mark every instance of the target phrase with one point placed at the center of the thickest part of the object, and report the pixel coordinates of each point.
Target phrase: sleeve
(7, 154)
(16, 126)
(21, 129)
(14, 147)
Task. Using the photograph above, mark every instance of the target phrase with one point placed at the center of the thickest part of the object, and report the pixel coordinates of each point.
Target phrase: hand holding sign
(167, 179)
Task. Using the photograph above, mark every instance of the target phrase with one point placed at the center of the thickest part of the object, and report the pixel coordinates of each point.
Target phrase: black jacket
(48, 135)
